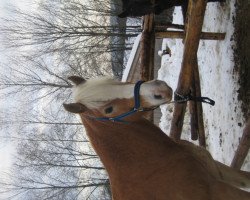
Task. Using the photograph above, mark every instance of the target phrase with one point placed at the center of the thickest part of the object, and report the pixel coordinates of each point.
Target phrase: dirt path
(242, 52)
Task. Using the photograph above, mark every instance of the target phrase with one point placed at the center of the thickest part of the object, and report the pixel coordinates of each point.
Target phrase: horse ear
(75, 107)
(77, 79)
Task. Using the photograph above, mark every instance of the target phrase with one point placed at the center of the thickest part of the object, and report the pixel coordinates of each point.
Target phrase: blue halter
(137, 106)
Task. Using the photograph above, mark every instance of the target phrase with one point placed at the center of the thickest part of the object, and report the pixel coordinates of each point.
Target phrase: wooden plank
(196, 11)
(181, 35)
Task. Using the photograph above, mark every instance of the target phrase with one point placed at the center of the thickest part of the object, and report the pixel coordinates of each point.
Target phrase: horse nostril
(157, 96)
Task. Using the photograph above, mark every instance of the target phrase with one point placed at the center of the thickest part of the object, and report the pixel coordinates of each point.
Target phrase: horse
(135, 8)
(142, 162)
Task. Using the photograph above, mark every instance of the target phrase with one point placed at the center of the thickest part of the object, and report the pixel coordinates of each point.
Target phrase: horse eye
(109, 110)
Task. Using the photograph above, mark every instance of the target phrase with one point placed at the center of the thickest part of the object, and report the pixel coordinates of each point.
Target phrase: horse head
(108, 99)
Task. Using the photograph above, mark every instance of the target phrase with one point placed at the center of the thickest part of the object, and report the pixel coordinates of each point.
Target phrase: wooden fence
(189, 74)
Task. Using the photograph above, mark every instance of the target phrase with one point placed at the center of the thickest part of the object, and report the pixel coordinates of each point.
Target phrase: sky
(6, 148)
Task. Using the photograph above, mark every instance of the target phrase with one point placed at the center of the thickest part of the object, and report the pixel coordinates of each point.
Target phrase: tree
(55, 161)
(62, 38)
(43, 78)
(70, 28)
(54, 158)
(50, 143)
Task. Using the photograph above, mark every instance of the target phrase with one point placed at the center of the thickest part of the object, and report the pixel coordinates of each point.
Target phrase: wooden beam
(193, 120)
(193, 111)
(196, 111)
(147, 52)
(161, 28)
(196, 11)
(181, 35)
(200, 122)
(243, 148)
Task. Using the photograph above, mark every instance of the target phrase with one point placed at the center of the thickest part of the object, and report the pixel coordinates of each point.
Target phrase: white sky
(6, 148)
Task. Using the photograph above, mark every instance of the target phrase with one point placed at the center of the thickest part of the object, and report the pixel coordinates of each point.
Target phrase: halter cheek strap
(137, 106)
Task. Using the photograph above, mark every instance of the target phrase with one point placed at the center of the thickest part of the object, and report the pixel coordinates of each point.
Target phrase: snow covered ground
(224, 122)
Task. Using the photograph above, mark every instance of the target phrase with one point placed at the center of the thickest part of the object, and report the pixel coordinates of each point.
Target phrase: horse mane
(95, 92)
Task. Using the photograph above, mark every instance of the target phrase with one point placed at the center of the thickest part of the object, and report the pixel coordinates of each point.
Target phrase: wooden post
(193, 120)
(196, 11)
(193, 113)
(200, 122)
(181, 35)
(196, 112)
(147, 52)
(243, 148)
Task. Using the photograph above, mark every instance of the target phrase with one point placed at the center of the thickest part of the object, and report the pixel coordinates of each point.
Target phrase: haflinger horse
(142, 162)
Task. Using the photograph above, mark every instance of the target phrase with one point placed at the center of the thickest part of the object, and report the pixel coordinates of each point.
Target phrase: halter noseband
(137, 107)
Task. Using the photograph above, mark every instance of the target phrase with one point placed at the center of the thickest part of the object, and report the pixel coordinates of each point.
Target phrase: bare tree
(31, 187)
(34, 77)
(50, 143)
(67, 26)
(63, 37)
(55, 162)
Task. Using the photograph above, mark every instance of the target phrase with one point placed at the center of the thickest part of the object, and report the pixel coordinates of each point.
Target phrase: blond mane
(96, 92)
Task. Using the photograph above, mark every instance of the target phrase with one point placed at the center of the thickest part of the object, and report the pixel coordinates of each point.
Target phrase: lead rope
(178, 98)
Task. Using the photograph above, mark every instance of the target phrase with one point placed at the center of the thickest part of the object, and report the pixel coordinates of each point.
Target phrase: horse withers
(143, 162)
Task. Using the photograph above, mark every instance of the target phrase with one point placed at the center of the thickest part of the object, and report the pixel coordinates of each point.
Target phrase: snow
(223, 122)
(131, 58)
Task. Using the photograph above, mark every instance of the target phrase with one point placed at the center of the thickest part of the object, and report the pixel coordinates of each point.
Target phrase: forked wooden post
(196, 12)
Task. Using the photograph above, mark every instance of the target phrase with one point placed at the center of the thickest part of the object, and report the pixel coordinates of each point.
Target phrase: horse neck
(119, 145)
